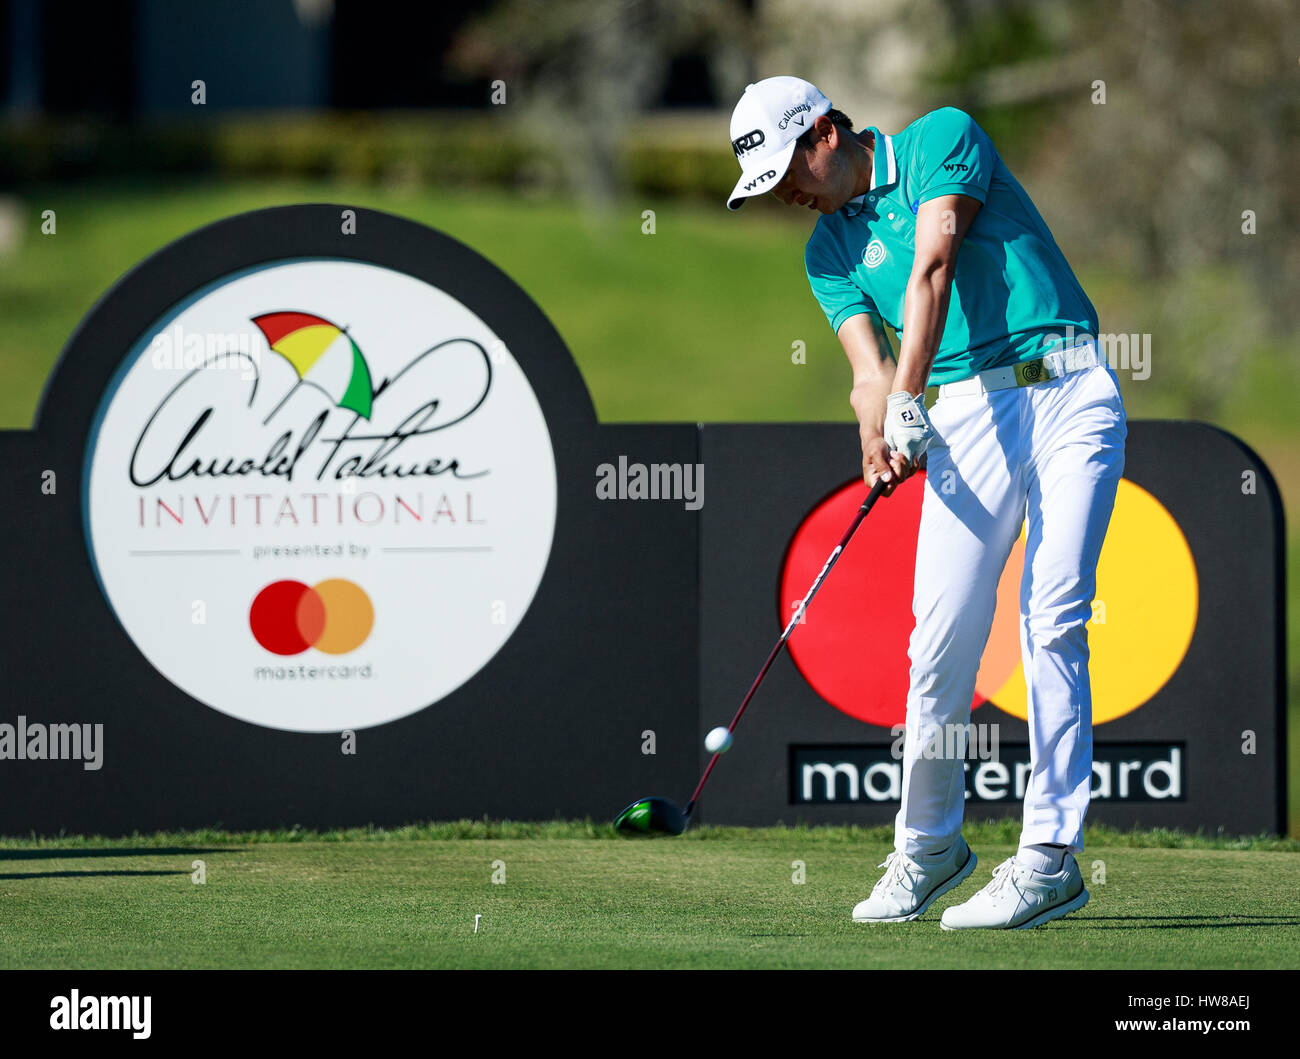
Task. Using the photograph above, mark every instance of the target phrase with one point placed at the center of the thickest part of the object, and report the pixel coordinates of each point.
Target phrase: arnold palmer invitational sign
(316, 468)
(319, 494)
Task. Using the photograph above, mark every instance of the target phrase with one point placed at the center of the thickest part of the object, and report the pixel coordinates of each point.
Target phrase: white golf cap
(770, 116)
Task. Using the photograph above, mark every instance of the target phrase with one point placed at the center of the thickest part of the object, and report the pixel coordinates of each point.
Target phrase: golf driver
(662, 816)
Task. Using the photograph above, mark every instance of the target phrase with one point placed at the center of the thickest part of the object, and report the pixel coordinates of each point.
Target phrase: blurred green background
(582, 147)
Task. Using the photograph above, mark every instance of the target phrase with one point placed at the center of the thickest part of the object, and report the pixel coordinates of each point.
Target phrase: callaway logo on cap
(770, 116)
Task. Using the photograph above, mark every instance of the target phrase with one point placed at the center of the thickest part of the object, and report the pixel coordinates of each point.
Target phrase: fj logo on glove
(907, 428)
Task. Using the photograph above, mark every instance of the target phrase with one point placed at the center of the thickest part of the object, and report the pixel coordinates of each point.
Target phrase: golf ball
(718, 741)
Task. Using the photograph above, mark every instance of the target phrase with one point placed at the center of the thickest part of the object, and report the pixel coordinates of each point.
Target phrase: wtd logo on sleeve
(319, 494)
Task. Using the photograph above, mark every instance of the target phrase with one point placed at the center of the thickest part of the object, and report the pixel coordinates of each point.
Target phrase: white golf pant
(1051, 453)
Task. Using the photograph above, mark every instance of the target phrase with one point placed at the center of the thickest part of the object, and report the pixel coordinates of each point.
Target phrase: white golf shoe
(1019, 898)
(909, 886)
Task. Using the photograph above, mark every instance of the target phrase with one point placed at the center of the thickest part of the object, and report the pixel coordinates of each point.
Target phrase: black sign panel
(1222, 709)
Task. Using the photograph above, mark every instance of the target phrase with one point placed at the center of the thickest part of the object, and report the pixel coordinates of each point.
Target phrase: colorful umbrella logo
(323, 354)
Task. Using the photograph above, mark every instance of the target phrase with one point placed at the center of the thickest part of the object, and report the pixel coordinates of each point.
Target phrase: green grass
(575, 896)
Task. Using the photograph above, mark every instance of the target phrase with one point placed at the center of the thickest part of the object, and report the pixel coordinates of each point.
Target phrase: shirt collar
(884, 170)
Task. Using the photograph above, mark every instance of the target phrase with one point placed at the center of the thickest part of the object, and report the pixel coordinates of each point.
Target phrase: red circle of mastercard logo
(334, 616)
(852, 645)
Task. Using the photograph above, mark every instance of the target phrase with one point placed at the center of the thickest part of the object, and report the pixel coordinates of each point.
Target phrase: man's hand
(878, 462)
(907, 427)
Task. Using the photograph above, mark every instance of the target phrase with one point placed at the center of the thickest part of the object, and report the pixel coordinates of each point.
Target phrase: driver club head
(651, 816)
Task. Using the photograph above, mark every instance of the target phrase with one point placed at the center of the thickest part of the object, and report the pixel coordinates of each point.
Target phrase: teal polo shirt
(1014, 296)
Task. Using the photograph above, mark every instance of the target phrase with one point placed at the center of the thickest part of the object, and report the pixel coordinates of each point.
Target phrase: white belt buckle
(1055, 364)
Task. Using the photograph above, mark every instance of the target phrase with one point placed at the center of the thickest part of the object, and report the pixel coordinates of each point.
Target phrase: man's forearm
(924, 314)
(868, 399)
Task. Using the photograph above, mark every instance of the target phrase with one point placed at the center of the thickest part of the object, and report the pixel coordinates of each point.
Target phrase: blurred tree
(575, 73)
(1198, 125)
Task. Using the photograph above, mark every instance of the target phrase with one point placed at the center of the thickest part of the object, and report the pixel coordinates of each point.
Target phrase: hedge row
(432, 148)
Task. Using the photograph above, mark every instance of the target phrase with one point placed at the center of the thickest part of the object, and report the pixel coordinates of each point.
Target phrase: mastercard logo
(852, 647)
(334, 616)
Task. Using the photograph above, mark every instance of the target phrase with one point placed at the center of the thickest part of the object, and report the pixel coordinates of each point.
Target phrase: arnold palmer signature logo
(171, 446)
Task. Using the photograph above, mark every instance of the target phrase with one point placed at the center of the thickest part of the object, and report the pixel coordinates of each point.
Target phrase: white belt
(1027, 372)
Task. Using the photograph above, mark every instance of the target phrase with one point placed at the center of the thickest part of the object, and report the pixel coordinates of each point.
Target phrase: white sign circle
(319, 495)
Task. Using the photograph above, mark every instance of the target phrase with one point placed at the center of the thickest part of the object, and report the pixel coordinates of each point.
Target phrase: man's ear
(827, 130)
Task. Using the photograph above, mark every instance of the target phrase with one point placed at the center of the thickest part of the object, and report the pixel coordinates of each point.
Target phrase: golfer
(927, 231)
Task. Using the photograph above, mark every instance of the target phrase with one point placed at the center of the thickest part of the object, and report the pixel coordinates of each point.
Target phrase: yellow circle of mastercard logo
(1143, 614)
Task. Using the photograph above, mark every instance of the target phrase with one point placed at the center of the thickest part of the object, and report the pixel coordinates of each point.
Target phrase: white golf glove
(907, 427)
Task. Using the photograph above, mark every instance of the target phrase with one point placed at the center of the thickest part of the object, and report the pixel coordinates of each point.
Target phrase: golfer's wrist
(871, 433)
(875, 446)
(911, 376)
(869, 408)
